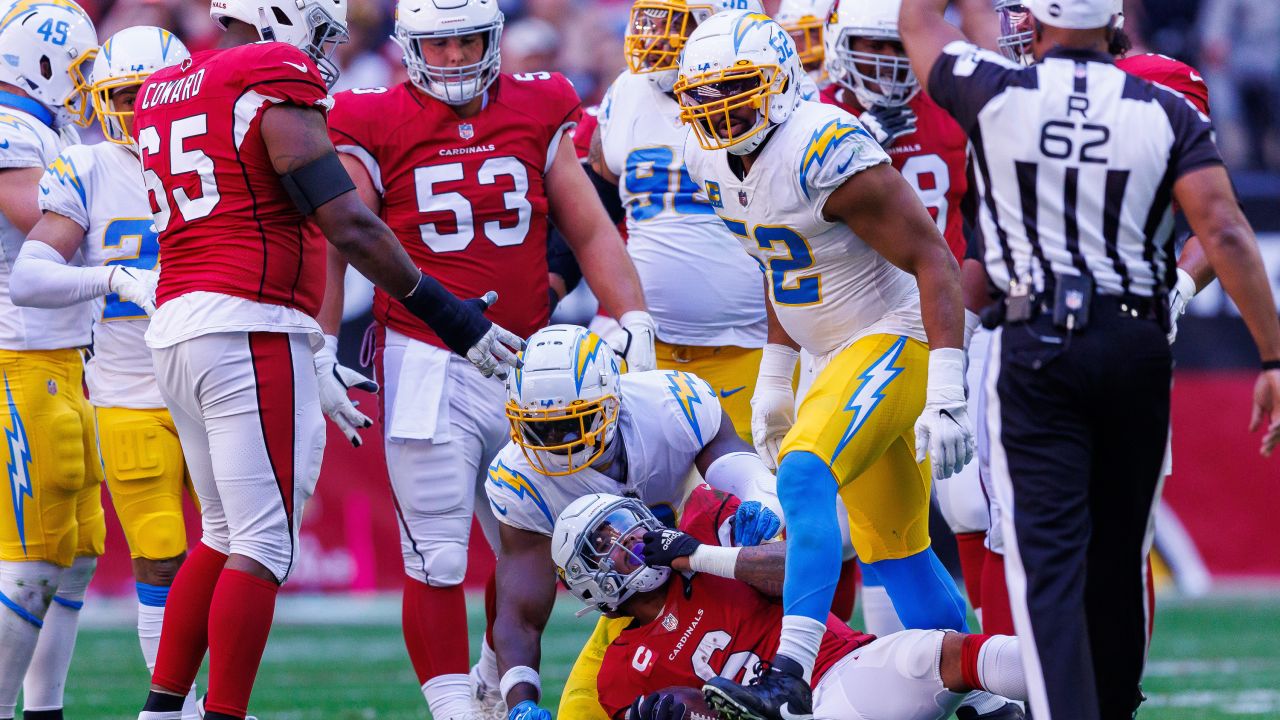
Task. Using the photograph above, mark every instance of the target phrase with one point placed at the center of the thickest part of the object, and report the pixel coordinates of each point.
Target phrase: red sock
(846, 590)
(184, 636)
(969, 659)
(435, 629)
(239, 623)
(490, 606)
(997, 618)
(972, 548)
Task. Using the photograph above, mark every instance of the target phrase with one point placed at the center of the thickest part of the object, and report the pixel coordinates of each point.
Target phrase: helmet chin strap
(749, 145)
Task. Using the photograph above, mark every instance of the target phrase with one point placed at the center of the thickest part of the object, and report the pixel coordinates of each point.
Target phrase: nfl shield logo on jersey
(742, 198)
(670, 623)
(466, 131)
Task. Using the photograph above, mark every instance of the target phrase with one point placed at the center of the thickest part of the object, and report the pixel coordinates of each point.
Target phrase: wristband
(455, 322)
(1270, 365)
(715, 560)
(778, 361)
(518, 675)
(946, 374)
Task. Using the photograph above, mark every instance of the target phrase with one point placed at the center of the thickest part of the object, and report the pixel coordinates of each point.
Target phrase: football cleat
(486, 702)
(777, 692)
(200, 709)
(1009, 711)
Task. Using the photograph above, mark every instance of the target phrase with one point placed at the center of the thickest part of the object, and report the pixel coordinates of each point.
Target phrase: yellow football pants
(859, 418)
(730, 371)
(146, 474)
(50, 507)
(581, 698)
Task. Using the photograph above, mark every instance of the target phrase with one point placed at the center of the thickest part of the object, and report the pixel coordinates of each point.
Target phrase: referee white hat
(1074, 14)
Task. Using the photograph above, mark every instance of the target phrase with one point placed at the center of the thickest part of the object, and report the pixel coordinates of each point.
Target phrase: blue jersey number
(653, 176)
(789, 286)
(141, 231)
(52, 32)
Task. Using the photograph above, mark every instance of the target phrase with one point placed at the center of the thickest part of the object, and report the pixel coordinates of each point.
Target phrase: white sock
(26, 589)
(800, 639)
(47, 675)
(983, 702)
(488, 667)
(189, 711)
(448, 696)
(878, 616)
(150, 715)
(150, 620)
(1000, 667)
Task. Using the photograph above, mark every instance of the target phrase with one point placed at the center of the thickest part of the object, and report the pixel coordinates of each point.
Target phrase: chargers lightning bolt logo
(824, 140)
(587, 349)
(870, 392)
(683, 390)
(64, 169)
(19, 466)
(503, 476)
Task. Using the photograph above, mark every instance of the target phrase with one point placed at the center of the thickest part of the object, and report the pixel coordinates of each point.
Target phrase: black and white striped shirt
(1075, 164)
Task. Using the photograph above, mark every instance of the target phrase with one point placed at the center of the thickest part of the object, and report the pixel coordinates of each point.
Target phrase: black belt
(1127, 306)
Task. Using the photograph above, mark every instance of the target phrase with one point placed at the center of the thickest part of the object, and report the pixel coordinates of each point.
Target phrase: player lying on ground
(578, 427)
(698, 611)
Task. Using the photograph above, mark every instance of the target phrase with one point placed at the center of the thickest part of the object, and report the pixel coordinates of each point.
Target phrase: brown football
(696, 707)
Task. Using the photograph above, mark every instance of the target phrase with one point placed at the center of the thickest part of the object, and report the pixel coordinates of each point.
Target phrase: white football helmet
(658, 30)
(737, 60)
(596, 545)
(45, 48)
(419, 21)
(126, 60)
(316, 27)
(805, 20)
(563, 398)
(874, 78)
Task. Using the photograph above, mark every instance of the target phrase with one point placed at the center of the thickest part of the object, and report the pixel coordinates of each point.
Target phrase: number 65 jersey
(466, 196)
(827, 286)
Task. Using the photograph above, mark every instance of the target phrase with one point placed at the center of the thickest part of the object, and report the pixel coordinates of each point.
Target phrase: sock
(151, 601)
(184, 636)
(801, 637)
(46, 679)
(239, 622)
(997, 617)
(55, 714)
(878, 616)
(490, 609)
(26, 590)
(161, 706)
(189, 709)
(972, 549)
(488, 666)
(808, 494)
(923, 592)
(153, 715)
(994, 663)
(448, 696)
(435, 630)
(846, 591)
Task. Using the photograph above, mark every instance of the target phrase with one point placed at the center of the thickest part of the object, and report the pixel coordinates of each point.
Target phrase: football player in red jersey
(702, 610)
(235, 157)
(465, 164)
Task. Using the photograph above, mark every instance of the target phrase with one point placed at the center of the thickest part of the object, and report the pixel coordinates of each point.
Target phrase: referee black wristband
(1271, 364)
(459, 323)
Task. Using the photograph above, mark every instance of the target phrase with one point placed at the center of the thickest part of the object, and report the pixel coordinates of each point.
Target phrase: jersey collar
(28, 106)
(1080, 54)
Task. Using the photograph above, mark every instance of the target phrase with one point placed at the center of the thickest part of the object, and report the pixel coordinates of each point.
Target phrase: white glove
(642, 333)
(773, 405)
(1183, 290)
(136, 286)
(334, 381)
(943, 430)
(496, 350)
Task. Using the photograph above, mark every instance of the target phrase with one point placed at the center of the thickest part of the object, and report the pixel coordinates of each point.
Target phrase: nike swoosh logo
(4, 145)
(727, 393)
(296, 66)
(785, 712)
(1195, 77)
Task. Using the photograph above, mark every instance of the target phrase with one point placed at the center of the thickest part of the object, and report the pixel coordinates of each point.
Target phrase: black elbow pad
(317, 182)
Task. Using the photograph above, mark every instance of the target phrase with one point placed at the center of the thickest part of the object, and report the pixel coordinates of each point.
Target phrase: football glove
(136, 286)
(656, 706)
(496, 350)
(773, 405)
(528, 710)
(943, 430)
(887, 124)
(663, 547)
(754, 523)
(1183, 290)
(334, 381)
(642, 333)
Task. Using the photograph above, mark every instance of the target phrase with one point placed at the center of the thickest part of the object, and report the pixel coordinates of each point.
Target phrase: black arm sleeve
(608, 193)
(560, 260)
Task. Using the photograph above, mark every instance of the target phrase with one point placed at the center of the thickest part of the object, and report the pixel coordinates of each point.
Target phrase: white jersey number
(439, 236)
(712, 643)
(181, 161)
(930, 177)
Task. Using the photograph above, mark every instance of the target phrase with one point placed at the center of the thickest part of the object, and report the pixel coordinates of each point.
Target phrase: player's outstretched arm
(43, 278)
(526, 589)
(925, 31)
(761, 566)
(729, 464)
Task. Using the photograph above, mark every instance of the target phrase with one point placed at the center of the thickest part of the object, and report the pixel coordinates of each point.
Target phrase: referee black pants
(1078, 430)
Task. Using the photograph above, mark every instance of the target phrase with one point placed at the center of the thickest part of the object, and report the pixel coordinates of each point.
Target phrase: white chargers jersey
(827, 286)
(100, 188)
(665, 418)
(699, 288)
(26, 142)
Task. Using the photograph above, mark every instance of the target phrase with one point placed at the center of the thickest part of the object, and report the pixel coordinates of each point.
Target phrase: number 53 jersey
(466, 196)
(96, 186)
(827, 286)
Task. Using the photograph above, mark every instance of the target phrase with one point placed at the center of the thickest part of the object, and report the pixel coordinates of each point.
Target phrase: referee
(1077, 164)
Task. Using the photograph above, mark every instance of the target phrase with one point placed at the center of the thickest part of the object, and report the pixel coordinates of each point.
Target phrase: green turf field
(1211, 659)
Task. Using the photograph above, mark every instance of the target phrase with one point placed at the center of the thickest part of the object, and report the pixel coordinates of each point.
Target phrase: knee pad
(27, 588)
(145, 474)
(445, 565)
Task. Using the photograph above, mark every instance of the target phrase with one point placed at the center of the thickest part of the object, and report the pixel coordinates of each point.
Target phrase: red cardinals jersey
(932, 159)
(709, 626)
(226, 223)
(582, 134)
(1173, 74)
(466, 197)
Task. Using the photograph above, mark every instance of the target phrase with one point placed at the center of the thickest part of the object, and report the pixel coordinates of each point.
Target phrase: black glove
(662, 547)
(887, 124)
(656, 706)
(459, 323)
